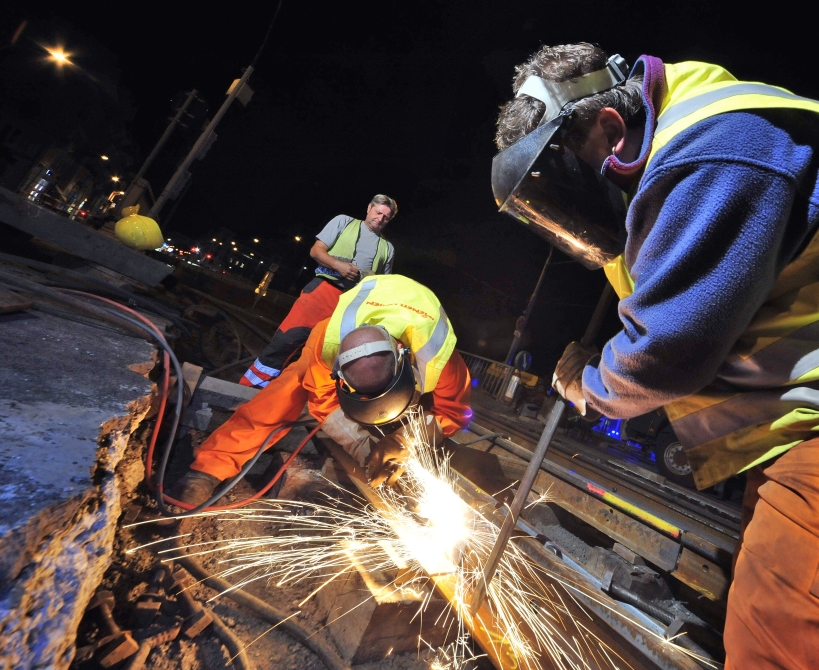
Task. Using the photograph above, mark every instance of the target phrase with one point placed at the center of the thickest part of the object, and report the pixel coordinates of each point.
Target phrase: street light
(104, 157)
(114, 178)
(298, 239)
(59, 56)
(256, 240)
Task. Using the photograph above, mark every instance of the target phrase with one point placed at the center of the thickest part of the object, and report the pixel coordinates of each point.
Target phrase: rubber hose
(270, 614)
(237, 650)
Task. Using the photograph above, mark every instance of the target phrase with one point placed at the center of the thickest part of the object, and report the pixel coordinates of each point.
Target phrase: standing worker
(346, 250)
(387, 347)
(719, 284)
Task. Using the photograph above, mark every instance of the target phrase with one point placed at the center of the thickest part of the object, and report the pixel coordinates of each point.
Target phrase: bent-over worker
(387, 347)
(346, 250)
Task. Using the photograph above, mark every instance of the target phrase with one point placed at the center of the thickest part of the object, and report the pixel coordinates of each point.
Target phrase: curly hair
(520, 116)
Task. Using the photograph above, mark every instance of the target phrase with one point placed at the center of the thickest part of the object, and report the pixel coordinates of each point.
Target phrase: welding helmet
(387, 405)
(542, 183)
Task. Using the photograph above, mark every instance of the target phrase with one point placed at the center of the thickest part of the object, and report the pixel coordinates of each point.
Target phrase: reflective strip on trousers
(266, 369)
(255, 380)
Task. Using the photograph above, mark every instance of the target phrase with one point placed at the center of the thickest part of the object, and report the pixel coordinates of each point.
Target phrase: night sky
(353, 99)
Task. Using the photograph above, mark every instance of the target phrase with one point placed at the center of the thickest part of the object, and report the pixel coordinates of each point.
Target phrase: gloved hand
(386, 462)
(351, 436)
(568, 377)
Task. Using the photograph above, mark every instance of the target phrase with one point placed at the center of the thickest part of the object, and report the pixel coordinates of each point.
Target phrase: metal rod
(511, 520)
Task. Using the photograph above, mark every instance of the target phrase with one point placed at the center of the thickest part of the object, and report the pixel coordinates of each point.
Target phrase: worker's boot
(194, 488)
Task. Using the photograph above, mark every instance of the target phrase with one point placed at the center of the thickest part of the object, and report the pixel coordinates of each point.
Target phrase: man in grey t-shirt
(346, 250)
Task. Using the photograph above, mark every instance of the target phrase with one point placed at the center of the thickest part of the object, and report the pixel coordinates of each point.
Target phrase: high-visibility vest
(408, 310)
(344, 249)
(774, 366)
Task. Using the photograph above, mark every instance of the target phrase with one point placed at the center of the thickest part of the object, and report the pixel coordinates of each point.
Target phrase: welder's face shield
(387, 405)
(542, 183)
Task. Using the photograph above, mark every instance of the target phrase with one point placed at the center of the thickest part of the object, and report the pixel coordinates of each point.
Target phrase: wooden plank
(12, 302)
(80, 240)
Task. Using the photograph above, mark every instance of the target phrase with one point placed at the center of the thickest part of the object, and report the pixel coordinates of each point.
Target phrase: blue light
(474, 382)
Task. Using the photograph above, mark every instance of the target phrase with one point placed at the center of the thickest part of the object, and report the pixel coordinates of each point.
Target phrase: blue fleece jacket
(718, 213)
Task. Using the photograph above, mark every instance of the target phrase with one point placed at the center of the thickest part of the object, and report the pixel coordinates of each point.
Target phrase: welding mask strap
(556, 94)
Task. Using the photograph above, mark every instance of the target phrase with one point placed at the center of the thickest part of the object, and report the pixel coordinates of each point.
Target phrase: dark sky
(353, 99)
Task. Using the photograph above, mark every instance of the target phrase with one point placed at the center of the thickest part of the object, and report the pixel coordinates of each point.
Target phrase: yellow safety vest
(408, 310)
(344, 249)
(727, 432)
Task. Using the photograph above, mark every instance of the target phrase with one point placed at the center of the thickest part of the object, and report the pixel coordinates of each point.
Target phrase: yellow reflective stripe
(426, 355)
(683, 108)
(408, 310)
(349, 319)
(731, 103)
(619, 277)
(773, 453)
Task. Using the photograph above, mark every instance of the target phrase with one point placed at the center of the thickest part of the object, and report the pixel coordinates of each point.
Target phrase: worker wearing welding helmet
(388, 347)
(716, 263)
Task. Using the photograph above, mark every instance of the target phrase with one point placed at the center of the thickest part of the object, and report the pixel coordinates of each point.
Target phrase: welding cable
(284, 622)
(238, 651)
(158, 488)
(208, 505)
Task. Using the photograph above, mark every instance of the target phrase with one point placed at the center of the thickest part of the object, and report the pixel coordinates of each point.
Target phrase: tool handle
(518, 502)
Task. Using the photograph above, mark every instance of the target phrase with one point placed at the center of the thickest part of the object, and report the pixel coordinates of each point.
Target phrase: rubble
(68, 407)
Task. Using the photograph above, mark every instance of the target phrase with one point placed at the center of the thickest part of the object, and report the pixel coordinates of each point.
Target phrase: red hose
(258, 494)
(161, 414)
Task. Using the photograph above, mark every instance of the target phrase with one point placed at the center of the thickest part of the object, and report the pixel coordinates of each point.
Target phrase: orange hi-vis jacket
(308, 381)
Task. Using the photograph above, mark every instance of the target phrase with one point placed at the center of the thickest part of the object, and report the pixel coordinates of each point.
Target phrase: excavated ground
(266, 648)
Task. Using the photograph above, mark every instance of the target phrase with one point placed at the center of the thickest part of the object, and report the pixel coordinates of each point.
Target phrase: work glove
(349, 435)
(387, 458)
(568, 376)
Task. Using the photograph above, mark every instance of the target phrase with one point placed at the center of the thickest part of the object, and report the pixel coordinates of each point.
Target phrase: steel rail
(632, 636)
(695, 501)
(660, 517)
(690, 505)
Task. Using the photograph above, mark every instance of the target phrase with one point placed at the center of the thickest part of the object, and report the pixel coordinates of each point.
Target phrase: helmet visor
(387, 406)
(543, 184)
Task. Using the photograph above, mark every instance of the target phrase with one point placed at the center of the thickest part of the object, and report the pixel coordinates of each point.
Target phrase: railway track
(687, 535)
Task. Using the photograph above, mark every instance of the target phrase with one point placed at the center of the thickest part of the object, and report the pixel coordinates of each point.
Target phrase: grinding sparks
(426, 538)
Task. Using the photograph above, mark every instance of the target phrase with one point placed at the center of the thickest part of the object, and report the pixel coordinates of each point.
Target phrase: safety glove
(388, 457)
(349, 435)
(568, 377)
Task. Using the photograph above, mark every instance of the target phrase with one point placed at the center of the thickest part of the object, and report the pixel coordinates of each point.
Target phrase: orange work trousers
(307, 381)
(773, 604)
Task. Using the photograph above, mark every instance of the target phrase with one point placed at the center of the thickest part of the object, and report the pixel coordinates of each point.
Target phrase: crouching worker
(387, 347)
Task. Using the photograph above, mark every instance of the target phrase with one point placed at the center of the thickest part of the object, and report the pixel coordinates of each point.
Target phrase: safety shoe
(194, 488)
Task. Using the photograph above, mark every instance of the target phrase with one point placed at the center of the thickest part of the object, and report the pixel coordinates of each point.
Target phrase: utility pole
(238, 89)
(126, 200)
